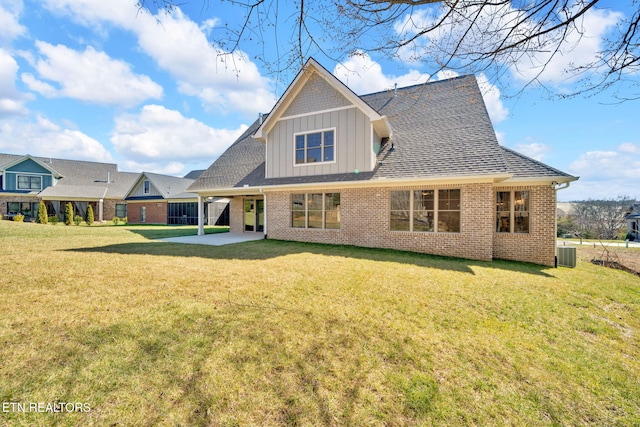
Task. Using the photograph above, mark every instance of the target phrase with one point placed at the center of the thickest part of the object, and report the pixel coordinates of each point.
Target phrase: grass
(282, 333)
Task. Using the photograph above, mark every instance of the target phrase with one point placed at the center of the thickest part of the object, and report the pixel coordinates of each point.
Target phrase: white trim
(312, 113)
(320, 131)
(382, 183)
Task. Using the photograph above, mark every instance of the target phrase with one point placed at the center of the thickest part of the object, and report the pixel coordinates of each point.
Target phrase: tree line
(596, 219)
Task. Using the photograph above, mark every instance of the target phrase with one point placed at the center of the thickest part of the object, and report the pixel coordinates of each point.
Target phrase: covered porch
(247, 212)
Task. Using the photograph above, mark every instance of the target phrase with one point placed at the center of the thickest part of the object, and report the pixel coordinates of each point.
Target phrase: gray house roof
(81, 179)
(440, 129)
(169, 187)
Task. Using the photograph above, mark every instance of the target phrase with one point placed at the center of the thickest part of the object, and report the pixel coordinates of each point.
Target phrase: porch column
(265, 212)
(200, 215)
(100, 210)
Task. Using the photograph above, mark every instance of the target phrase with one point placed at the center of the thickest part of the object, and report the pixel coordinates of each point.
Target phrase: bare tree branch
(470, 36)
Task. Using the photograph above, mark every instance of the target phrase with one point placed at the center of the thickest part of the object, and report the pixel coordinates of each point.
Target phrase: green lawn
(277, 333)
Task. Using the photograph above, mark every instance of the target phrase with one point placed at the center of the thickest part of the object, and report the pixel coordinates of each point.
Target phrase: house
(632, 216)
(142, 197)
(416, 168)
(26, 180)
(161, 199)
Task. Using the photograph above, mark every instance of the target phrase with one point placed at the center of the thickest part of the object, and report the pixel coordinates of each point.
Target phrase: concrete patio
(217, 239)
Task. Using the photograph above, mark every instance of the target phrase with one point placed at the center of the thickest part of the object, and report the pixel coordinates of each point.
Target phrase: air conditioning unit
(567, 256)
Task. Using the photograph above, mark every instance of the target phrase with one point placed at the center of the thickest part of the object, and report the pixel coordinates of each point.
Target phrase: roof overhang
(376, 182)
(552, 180)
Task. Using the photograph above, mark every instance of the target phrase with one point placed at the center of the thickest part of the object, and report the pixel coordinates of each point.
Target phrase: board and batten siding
(353, 143)
(139, 191)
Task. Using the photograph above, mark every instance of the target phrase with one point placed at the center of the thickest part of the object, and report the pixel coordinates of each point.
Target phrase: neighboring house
(142, 197)
(418, 168)
(161, 199)
(26, 180)
(632, 216)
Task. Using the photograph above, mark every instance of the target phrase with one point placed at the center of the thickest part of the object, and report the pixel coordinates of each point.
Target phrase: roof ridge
(413, 86)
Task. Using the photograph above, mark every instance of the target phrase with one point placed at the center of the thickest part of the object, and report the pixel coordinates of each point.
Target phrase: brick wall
(15, 198)
(156, 212)
(365, 222)
(236, 215)
(108, 209)
(539, 245)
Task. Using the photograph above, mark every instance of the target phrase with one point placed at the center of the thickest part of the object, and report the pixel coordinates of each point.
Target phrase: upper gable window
(146, 187)
(315, 147)
(29, 182)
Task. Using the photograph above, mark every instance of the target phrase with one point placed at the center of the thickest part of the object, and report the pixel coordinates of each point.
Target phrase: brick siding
(156, 212)
(365, 222)
(15, 198)
(539, 245)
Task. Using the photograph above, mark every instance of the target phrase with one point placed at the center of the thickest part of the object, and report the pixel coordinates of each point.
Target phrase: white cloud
(180, 46)
(11, 29)
(492, 23)
(605, 174)
(535, 150)
(579, 49)
(44, 138)
(90, 76)
(491, 95)
(620, 163)
(363, 75)
(11, 101)
(158, 134)
(628, 147)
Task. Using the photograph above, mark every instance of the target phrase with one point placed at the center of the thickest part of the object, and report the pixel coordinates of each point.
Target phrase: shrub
(18, 218)
(125, 220)
(115, 220)
(89, 216)
(53, 219)
(68, 214)
(77, 219)
(42, 217)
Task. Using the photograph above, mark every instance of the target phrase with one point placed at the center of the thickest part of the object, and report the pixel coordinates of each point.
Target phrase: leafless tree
(470, 36)
(602, 219)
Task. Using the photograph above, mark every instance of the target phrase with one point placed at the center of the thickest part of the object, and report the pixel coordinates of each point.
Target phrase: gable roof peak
(310, 68)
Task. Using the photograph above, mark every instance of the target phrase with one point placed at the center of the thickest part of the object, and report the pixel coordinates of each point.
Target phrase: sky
(101, 81)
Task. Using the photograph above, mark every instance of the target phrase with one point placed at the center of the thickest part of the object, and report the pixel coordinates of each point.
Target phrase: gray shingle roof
(170, 187)
(439, 129)
(82, 178)
(525, 167)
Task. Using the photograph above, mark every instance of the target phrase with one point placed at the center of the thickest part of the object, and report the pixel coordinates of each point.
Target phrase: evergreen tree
(42, 217)
(89, 216)
(68, 214)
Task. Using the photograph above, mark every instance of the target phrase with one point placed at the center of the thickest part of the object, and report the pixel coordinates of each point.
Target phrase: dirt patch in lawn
(626, 259)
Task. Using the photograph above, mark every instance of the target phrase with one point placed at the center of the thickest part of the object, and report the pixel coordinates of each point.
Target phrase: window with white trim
(426, 210)
(315, 210)
(146, 187)
(29, 182)
(315, 147)
(512, 212)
